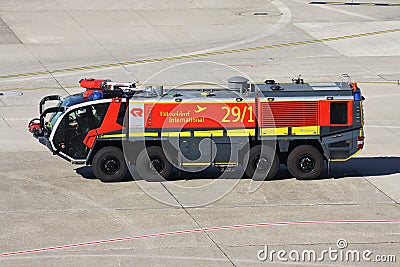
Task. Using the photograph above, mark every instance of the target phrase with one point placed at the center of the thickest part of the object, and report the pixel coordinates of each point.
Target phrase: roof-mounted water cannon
(106, 84)
(90, 83)
(105, 88)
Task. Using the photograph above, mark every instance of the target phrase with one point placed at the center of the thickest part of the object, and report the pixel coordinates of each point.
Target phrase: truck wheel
(263, 163)
(153, 165)
(109, 164)
(305, 162)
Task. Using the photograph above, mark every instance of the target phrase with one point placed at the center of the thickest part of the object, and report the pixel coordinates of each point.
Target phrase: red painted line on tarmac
(200, 230)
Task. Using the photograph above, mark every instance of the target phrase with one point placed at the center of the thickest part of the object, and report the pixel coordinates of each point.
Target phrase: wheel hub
(156, 164)
(111, 165)
(262, 164)
(306, 163)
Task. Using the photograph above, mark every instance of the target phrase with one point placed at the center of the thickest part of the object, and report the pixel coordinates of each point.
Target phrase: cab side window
(79, 119)
(121, 114)
(98, 111)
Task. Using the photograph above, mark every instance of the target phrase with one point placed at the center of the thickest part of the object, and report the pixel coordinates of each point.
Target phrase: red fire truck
(112, 126)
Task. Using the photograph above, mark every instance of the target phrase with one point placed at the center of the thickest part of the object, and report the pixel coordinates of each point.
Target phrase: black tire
(152, 164)
(305, 162)
(269, 167)
(109, 164)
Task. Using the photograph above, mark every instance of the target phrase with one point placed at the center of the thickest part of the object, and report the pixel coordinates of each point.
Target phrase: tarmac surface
(47, 46)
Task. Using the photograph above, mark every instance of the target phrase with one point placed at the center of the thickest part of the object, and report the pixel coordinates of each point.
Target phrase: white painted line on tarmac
(286, 16)
(340, 11)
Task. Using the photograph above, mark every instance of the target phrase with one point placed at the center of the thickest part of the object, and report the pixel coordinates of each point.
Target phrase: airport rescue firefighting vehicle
(112, 126)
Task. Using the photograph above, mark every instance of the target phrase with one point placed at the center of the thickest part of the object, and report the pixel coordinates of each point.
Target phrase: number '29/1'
(235, 114)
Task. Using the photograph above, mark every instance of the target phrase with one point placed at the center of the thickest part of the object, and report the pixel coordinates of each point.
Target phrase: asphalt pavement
(52, 212)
